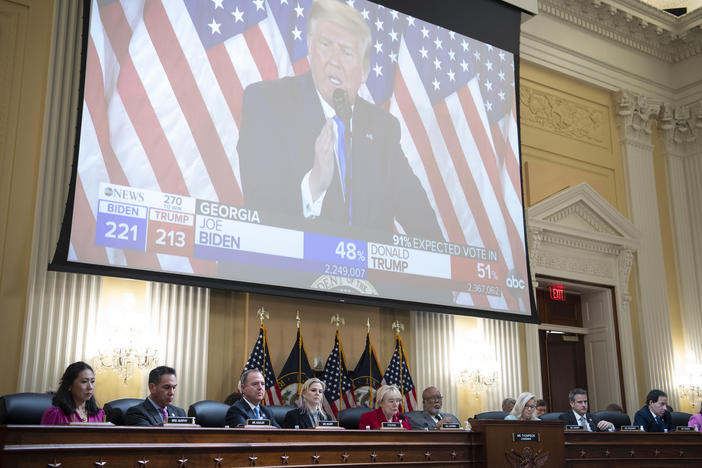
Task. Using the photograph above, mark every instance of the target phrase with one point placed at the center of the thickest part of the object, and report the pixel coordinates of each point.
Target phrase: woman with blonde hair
(524, 408)
(387, 404)
(310, 411)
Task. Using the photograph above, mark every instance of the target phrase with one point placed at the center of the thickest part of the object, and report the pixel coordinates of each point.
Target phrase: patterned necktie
(584, 423)
(344, 165)
(164, 414)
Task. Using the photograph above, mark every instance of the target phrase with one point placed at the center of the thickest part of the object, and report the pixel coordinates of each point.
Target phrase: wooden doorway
(562, 367)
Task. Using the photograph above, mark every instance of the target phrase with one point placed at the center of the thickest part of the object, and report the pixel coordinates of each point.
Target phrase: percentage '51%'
(485, 271)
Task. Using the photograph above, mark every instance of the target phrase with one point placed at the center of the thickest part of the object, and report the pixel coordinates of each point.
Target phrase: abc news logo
(515, 283)
(123, 194)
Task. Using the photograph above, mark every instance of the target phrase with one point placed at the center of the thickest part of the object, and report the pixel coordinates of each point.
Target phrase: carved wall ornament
(562, 116)
(637, 114)
(586, 214)
(681, 128)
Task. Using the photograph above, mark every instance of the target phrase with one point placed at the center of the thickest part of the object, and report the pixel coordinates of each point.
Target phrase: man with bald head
(431, 417)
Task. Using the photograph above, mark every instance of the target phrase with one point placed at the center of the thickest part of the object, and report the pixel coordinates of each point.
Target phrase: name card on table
(180, 420)
(685, 428)
(451, 425)
(327, 424)
(258, 423)
(574, 427)
(392, 425)
(630, 428)
(526, 437)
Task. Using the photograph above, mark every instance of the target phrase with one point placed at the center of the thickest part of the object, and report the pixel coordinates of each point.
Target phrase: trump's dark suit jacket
(281, 120)
(239, 412)
(144, 414)
(643, 417)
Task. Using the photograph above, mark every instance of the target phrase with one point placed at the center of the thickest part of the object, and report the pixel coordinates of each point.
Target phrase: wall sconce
(127, 347)
(479, 371)
(690, 381)
(123, 361)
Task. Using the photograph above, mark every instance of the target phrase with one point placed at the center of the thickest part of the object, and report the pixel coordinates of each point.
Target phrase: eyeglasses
(530, 407)
(435, 398)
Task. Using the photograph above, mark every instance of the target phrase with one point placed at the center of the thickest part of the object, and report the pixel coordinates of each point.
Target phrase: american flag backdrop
(398, 373)
(162, 108)
(260, 359)
(339, 392)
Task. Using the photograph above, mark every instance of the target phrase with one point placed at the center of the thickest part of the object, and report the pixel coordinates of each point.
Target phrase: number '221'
(121, 231)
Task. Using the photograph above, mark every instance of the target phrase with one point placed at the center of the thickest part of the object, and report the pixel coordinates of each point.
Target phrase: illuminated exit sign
(557, 292)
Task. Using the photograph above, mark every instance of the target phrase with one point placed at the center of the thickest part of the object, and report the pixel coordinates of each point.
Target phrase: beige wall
(234, 328)
(25, 34)
(570, 135)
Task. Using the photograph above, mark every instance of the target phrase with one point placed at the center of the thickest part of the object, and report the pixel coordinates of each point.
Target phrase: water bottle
(468, 427)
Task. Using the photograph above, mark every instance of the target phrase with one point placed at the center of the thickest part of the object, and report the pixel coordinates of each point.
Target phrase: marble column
(635, 117)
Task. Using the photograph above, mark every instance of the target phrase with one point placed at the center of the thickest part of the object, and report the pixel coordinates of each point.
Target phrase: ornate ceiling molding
(633, 24)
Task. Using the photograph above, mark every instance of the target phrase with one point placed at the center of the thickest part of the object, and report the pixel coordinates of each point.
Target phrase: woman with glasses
(524, 409)
(387, 403)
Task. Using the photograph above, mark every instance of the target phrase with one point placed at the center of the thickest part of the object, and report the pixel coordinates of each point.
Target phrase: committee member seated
(508, 404)
(579, 416)
(524, 408)
(310, 409)
(431, 417)
(387, 403)
(696, 420)
(541, 408)
(157, 407)
(653, 417)
(252, 387)
(74, 400)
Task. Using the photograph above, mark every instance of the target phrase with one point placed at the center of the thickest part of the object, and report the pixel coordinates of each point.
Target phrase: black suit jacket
(643, 417)
(239, 412)
(569, 418)
(281, 120)
(295, 417)
(144, 414)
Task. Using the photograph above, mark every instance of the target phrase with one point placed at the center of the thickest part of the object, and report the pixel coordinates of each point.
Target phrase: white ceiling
(663, 4)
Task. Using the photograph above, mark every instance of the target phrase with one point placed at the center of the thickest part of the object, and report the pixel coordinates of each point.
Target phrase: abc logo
(108, 191)
(515, 283)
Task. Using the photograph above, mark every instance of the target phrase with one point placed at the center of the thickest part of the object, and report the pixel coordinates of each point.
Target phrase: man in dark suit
(298, 170)
(156, 409)
(432, 417)
(252, 387)
(654, 417)
(579, 416)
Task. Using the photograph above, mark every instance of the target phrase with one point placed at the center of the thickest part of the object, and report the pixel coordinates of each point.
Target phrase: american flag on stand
(339, 392)
(260, 359)
(162, 108)
(398, 374)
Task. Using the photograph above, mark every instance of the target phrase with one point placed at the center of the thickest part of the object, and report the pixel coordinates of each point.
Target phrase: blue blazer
(239, 412)
(643, 417)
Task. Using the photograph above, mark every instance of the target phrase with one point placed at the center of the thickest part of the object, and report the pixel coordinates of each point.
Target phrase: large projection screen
(337, 150)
